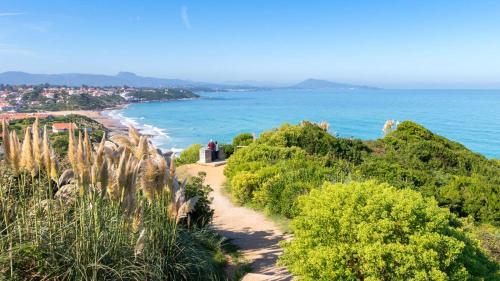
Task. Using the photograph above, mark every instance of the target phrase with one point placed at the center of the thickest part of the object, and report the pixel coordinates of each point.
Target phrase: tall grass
(117, 213)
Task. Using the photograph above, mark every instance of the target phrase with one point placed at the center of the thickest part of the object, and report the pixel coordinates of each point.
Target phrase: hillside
(409, 157)
(100, 80)
(372, 180)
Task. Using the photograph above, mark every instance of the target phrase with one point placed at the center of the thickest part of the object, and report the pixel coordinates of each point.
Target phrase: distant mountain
(98, 80)
(133, 80)
(325, 84)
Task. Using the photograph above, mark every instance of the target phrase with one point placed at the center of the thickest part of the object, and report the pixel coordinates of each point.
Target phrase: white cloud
(10, 14)
(185, 17)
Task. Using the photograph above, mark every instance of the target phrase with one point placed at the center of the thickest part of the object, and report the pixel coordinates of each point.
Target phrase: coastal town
(45, 97)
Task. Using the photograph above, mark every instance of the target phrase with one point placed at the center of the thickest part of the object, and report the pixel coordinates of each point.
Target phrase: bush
(243, 139)
(409, 157)
(282, 164)
(414, 157)
(471, 196)
(255, 156)
(243, 186)
(369, 231)
(189, 155)
(203, 213)
(315, 141)
(228, 149)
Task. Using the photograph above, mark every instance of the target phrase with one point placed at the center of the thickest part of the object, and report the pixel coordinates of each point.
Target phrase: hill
(100, 80)
(325, 84)
(305, 155)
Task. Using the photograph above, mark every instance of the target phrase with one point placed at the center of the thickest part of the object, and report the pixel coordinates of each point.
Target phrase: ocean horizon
(470, 117)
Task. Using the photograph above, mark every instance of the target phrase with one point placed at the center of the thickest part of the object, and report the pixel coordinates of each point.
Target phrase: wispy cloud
(185, 17)
(11, 14)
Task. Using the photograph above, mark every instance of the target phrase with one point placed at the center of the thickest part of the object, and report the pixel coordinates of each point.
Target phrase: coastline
(113, 125)
(116, 124)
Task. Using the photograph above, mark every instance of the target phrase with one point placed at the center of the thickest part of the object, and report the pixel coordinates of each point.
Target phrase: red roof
(63, 126)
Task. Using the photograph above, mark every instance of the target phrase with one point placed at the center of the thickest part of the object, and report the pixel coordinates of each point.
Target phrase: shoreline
(113, 125)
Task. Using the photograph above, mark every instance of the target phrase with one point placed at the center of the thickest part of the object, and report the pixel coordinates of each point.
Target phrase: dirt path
(255, 235)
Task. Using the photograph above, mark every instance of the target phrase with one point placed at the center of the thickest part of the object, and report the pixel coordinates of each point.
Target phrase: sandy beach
(114, 125)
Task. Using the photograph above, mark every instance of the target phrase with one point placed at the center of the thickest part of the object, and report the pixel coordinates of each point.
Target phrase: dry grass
(119, 212)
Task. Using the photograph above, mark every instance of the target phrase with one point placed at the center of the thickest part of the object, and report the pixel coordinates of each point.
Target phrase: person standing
(216, 150)
(211, 147)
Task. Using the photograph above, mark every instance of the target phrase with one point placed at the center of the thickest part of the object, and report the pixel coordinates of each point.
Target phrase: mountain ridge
(312, 83)
(100, 80)
(133, 80)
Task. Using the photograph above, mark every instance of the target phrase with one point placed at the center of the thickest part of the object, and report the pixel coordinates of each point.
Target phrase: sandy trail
(255, 235)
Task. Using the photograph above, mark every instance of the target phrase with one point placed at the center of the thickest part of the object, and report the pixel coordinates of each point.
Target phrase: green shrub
(283, 182)
(189, 155)
(409, 157)
(270, 178)
(228, 149)
(471, 196)
(315, 141)
(284, 163)
(203, 213)
(369, 231)
(243, 139)
(414, 157)
(255, 156)
(243, 185)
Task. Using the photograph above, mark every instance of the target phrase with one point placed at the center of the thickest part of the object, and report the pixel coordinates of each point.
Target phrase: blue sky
(421, 44)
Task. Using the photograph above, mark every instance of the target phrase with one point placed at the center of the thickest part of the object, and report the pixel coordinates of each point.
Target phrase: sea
(471, 117)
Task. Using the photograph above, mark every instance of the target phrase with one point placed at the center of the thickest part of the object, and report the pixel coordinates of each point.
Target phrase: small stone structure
(206, 155)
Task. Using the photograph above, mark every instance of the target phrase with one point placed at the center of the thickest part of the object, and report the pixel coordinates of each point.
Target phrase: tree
(370, 231)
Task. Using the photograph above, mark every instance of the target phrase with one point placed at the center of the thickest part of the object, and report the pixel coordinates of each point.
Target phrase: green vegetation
(69, 102)
(290, 162)
(117, 213)
(203, 214)
(60, 140)
(315, 140)
(414, 157)
(88, 98)
(161, 94)
(285, 163)
(228, 149)
(370, 231)
(243, 139)
(409, 157)
(189, 155)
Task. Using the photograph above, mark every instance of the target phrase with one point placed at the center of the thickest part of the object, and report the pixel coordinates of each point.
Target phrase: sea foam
(159, 136)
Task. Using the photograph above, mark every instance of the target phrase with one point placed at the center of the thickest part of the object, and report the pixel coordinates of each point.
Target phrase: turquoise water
(471, 117)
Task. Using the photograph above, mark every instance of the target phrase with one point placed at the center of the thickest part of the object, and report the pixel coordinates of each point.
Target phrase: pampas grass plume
(27, 159)
(37, 143)
(6, 140)
(15, 152)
